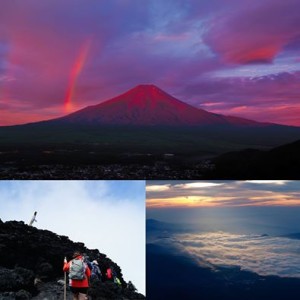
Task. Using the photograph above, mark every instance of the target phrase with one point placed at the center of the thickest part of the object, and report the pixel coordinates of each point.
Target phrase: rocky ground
(31, 263)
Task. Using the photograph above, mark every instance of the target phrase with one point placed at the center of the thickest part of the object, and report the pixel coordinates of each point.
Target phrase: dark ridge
(281, 162)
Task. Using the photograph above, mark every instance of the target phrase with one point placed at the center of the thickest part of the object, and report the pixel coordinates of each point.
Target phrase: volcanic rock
(31, 262)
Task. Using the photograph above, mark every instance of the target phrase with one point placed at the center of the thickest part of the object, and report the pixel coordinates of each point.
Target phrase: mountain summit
(149, 105)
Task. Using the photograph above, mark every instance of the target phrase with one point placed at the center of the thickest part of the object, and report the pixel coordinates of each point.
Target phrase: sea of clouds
(262, 254)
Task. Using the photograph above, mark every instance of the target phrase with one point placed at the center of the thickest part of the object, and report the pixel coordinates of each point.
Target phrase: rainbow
(75, 72)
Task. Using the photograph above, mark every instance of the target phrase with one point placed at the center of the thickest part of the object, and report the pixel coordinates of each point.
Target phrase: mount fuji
(148, 105)
(142, 133)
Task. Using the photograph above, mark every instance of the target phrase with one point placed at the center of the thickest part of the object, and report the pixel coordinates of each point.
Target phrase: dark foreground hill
(279, 163)
(84, 152)
(31, 263)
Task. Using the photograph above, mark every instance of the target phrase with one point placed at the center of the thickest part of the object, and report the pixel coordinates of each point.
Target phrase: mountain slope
(31, 263)
(147, 105)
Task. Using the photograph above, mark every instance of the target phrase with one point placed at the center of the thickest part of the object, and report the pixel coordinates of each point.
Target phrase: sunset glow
(237, 58)
(224, 194)
(188, 201)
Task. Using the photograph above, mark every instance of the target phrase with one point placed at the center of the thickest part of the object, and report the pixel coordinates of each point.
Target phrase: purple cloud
(181, 46)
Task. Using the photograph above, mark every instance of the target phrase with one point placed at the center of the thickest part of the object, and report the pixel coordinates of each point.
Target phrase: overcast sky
(106, 215)
(232, 57)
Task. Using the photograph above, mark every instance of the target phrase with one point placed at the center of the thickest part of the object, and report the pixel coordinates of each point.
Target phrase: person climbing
(33, 219)
(86, 259)
(79, 275)
(117, 281)
(130, 286)
(110, 274)
(96, 272)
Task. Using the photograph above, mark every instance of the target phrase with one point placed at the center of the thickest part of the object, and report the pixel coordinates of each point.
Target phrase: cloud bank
(263, 255)
(163, 194)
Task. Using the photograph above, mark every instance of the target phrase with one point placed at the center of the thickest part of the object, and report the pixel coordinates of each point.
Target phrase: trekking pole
(65, 283)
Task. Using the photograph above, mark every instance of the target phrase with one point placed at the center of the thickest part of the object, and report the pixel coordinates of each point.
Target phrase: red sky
(231, 57)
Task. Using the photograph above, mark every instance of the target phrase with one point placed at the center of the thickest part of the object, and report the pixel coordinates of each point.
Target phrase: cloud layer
(163, 194)
(263, 255)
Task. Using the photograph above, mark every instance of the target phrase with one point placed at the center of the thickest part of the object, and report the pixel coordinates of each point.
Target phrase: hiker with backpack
(110, 274)
(131, 287)
(79, 275)
(86, 259)
(96, 272)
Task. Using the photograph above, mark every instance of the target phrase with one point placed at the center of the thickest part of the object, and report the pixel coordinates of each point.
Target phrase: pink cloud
(267, 99)
(280, 114)
(256, 31)
(134, 42)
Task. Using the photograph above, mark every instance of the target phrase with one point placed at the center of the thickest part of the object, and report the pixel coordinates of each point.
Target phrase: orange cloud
(187, 201)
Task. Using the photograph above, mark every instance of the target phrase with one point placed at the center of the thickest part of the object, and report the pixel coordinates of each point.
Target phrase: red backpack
(109, 273)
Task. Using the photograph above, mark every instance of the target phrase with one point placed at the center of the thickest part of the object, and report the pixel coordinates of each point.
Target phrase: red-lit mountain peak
(145, 105)
(143, 96)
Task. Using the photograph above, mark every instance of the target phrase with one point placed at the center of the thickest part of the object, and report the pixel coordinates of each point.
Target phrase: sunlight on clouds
(276, 182)
(224, 193)
(157, 188)
(224, 201)
(186, 201)
(194, 185)
(275, 200)
(178, 201)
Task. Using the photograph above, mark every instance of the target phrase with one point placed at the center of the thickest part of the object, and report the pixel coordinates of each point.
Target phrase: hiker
(130, 286)
(33, 219)
(79, 275)
(86, 259)
(96, 272)
(110, 274)
(117, 281)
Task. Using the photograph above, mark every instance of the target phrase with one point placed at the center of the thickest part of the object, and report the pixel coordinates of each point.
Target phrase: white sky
(106, 215)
